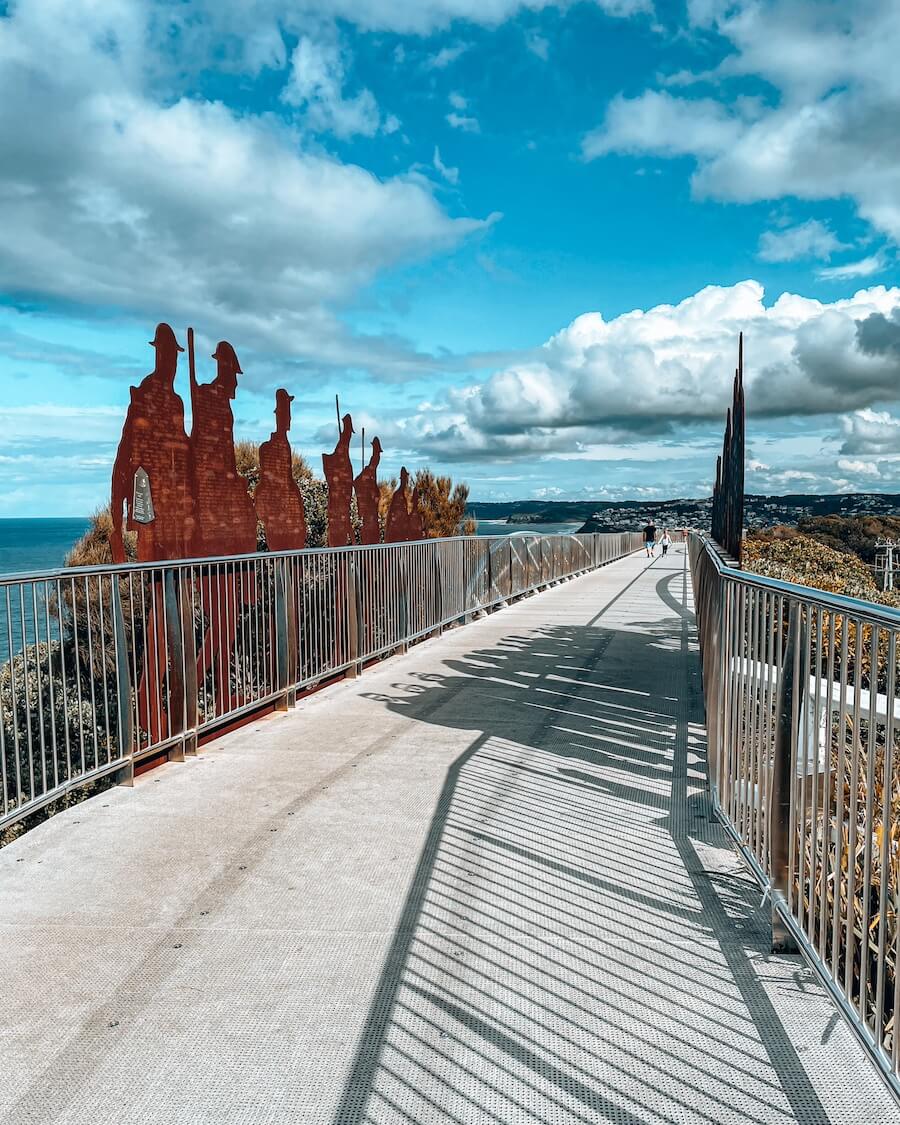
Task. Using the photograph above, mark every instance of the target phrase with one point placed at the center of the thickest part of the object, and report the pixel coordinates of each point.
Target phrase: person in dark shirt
(650, 538)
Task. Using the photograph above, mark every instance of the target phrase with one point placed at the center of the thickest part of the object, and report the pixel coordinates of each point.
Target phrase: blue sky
(519, 239)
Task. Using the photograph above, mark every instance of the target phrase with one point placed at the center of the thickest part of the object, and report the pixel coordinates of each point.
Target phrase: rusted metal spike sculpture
(279, 503)
(396, 526)
(366, 488)
(339, 476)
(728, 494)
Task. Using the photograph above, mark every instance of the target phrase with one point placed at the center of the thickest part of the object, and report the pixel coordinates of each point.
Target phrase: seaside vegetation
(58, 709)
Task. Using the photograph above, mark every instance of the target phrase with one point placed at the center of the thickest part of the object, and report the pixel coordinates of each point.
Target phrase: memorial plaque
(142, 501)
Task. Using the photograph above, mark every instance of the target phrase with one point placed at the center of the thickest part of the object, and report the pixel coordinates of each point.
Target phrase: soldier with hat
(279, 503)
(339, 476)
(152, 472)
(151, 482)
(396, 526)
(226, 520)
(366, 488)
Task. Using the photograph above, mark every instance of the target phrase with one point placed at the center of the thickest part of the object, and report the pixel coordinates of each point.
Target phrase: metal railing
(803, 716)
(103, 667)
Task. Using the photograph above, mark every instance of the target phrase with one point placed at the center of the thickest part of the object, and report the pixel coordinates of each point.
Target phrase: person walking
(665, 542)
(650, 538)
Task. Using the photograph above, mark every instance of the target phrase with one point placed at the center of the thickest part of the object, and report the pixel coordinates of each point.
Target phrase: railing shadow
(563, 954)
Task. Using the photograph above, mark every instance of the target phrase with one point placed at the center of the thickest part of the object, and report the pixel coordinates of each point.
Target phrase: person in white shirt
(666, 541)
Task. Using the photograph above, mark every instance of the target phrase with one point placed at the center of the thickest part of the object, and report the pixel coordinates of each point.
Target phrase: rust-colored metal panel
(279, 503)
(225, 516)
(366, 488)
(153, 476)
(396, 527)
(339, 477)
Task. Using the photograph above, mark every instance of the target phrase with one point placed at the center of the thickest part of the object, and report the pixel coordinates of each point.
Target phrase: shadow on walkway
(565, 954)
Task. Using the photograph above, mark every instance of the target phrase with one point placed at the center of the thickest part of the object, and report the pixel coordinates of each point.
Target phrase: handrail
(801, 689)
(873, 611)
(102, 667)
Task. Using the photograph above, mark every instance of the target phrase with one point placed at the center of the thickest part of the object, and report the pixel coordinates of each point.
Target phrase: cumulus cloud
(184, 208)
(811, 239)
(868, 432)
(864, 468)
(829, 131)
(649, 373)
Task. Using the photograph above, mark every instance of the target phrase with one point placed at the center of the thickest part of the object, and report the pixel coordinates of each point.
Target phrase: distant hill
(624, 515)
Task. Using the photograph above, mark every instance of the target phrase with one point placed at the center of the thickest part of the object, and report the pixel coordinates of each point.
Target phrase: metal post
(783, 769)
(351, 609)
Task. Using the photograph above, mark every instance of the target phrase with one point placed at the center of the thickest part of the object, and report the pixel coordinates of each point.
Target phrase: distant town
(624, 515)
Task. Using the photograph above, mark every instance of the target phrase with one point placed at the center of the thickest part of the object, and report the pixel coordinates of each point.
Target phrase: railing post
(124, 776)
(189, 653)
(783, 769)
(285, 637)
(351, 609)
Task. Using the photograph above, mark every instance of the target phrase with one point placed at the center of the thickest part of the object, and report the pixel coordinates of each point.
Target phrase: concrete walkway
(479, 884)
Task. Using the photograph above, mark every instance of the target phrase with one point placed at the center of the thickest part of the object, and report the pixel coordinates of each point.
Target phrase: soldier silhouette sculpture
(155, 449)
(339, 476)
(366, 488)
(226, 518)
(152, 479)
(415, 526)
(396, 526)
(279, 503)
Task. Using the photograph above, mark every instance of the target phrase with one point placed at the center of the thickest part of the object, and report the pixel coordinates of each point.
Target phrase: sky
(518, 238)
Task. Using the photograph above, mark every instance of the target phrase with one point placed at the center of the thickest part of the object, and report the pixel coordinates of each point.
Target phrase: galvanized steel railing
(103, 667)
(803, 720)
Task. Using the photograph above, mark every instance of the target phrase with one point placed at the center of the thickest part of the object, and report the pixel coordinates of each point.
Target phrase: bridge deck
(479, 884)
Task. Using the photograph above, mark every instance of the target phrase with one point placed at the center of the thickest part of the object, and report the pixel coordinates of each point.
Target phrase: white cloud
(865, 267)
(645, 374)
(538, 45)
(457, 100)
(871, 432)
(658, 123)
(467, 124)
(451, 175)
(827, 133)
(811, 239)
(316, 83)
(447, 55)
(861, 468)
(182, 208)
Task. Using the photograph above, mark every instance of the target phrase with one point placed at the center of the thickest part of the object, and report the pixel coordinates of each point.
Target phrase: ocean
(38, 544)
(501, 527)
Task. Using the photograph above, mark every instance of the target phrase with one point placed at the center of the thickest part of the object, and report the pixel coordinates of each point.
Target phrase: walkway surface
(479, 884)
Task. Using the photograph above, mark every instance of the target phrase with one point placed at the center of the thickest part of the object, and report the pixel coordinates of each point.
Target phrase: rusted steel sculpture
(728, 494)
(396, 526)
(152, 480)
(415, 526)
(366, 488)
(226, 518)
(339, 476)
(152, 475)
(279, 503)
